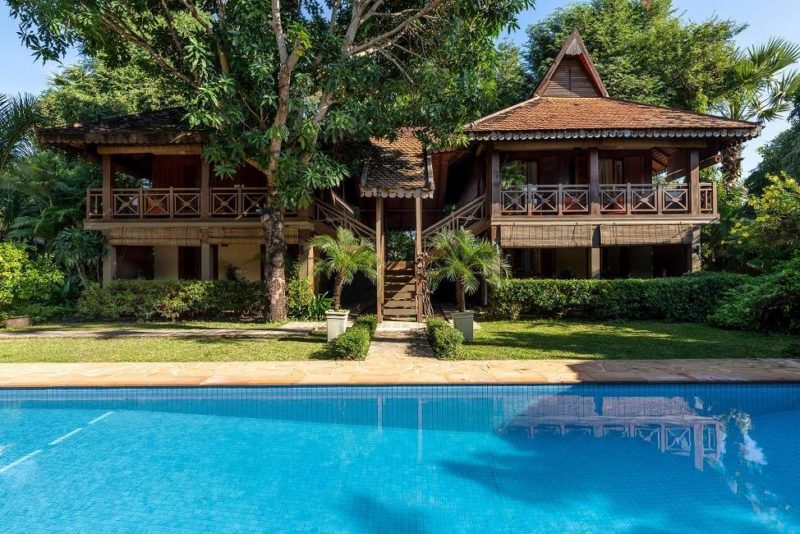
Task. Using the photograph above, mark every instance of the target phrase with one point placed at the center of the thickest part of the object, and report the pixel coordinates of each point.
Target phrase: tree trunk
(274, 262)
(337, 292)
(461, 301)
(732, 164)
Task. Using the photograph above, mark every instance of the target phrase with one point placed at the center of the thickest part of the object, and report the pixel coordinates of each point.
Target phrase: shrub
(303, 303)
(24, 279)
(145, 300)
(690, 298)
(370, 321)
(352, 345)
(769, 303)
(444, 339)
(45, 313)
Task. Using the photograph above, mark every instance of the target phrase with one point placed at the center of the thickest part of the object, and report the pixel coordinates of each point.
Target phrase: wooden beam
(694, 181)
(205, 190)
(495, 191)
(171, 150)
(108, 184)
(594, 182)
(417, 254)
(603, 144)
(381, 259)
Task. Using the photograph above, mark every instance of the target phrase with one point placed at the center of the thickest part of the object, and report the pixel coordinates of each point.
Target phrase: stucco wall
(245, 258)
(165, 263)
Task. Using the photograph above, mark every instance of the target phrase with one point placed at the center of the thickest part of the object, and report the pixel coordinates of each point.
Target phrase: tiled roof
(397, 168)
(555, 117)
(164, 126)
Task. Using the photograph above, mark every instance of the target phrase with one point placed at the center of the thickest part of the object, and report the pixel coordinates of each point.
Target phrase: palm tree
(462, 258)
(763, 88)
(344, 256)
(18, 115)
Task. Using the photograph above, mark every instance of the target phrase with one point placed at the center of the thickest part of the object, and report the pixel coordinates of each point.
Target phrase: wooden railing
(177, 203)
(334, 217)
(463, 217)
(622, 199)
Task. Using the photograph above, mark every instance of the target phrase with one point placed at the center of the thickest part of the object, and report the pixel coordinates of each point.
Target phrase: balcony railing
(178, 203)
(623, 199)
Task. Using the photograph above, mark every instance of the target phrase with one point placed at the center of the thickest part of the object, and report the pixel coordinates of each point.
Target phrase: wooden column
(694, 181)
(418, 253)
(380, 254)
(206, 269)
(109, 265)
(594, 182)
(306, 268)
(693, 260)
(108, 184)
(205, 190)
(595, 255)
(495, 191)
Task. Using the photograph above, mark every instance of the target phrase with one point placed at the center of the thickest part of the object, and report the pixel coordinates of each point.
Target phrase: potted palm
(342, 257)
(462, 258)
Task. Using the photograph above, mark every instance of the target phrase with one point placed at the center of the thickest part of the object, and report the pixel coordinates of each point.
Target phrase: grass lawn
(543, 339)
(159, 350)
(205, 325)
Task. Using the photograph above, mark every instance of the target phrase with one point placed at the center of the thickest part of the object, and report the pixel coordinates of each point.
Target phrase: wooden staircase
(400, 301)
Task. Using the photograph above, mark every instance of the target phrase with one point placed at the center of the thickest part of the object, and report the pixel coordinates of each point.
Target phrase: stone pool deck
(395, 370)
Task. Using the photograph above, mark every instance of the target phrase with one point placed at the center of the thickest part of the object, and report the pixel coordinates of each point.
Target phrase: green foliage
(147, 300)
(24, 279)
(95, 88)
(400, 245)
(371, 321)
(79, 251)
(512, 175)
(303, 303)
(18, 116)
(45, 312)
(772, 235)
(690, 298)
(780, 155)
(644, 51)
(352, 345)
(462, 258)
(769, 303)
(343, 257)
(443, 338)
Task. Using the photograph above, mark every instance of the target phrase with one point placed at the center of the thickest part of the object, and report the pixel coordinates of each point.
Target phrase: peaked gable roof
(397, 168)
(573, 73)
(571, 102)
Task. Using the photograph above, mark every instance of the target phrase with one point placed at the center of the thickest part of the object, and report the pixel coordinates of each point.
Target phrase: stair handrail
(471, 210)
(339, 202)
(325, 212)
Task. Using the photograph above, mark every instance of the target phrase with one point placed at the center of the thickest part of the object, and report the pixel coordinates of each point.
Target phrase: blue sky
(765, 19)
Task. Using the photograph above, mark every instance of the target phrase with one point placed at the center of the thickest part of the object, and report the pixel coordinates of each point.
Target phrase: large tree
(763, 85)
(644, 51)
(280, 80)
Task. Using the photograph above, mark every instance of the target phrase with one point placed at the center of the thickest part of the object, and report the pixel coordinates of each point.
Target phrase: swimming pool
(402, 459)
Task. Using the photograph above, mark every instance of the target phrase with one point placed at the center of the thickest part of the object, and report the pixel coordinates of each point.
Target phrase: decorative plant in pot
(343, 257)
(463, 259)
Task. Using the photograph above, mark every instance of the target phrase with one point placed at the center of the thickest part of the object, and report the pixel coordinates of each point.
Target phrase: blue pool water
(586, 458)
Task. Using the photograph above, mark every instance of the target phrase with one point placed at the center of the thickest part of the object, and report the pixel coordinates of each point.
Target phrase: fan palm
(18, 115)
(763, 89)
(462, 258)
(344, 256)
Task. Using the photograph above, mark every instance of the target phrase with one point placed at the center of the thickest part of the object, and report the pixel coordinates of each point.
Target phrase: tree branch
(386, 39)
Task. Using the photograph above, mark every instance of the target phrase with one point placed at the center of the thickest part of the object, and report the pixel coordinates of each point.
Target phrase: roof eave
(615, 133)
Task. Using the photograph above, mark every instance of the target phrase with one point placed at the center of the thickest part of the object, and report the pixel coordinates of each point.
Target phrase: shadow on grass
(541, 340)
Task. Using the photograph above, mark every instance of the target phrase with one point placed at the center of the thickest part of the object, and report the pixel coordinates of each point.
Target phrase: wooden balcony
(610, 200)
(178, 203)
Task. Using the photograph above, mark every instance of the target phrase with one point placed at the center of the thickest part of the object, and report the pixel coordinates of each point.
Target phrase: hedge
(444, 339)
(145, 300)
(690, 298)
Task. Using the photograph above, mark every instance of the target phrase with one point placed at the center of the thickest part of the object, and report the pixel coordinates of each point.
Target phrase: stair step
(400, 305)
(400, 312)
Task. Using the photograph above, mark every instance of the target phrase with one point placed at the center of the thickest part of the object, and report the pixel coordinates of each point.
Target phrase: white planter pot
(337, 323)
(463, 321)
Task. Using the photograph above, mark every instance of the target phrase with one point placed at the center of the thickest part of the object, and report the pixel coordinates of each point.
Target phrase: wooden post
(595, 254)
(306, 268)
(694, 181)
(205, 190)
(495, 191)
(594, 182)
(418, 253)
(108, 184)
(109, 265)
(379, 252)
